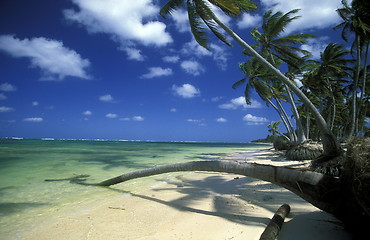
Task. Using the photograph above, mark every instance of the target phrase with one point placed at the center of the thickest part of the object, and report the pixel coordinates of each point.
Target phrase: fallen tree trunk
(273, 228)
(311, 186)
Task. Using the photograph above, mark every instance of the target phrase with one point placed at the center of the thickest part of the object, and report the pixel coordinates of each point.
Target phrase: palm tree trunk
(283, 118)
(307, 184)
(290, 138)
(354, 90)
(330, 143)
(301, 137)
(363, 89)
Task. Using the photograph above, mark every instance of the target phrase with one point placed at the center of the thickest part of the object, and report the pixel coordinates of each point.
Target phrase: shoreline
(196, 205)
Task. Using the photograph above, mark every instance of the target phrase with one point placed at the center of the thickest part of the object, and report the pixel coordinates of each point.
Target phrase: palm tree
(273, 45)
(256, 76)
(327, 77)
(199, 11)
(356, 20)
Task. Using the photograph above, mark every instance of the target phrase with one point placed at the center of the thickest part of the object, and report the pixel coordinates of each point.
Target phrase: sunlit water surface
(27, 200)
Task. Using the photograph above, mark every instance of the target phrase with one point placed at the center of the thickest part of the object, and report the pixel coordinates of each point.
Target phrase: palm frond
(196, 26)
(205, 14)
(239, 83)
(170, 7)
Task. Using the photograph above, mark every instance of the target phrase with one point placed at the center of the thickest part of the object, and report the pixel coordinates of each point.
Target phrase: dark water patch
(9, 208)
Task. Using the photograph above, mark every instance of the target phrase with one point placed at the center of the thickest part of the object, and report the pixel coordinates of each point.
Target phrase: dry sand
(197, 206)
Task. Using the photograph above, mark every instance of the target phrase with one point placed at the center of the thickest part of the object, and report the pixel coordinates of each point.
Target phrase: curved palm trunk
(288, 128)
(300, 133)
(311, 186)
(330, 143)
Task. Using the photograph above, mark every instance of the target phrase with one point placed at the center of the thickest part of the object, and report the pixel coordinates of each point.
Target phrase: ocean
(35, 174)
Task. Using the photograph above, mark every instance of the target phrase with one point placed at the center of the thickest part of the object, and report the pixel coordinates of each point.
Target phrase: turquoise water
(27, 200)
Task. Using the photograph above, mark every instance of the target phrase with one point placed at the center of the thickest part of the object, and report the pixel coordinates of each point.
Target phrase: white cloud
(181, 20)
(6, 109)
(35, 103)
(173, 110)
(106, 98)
(157, 72)
(7, 87)
(216, 99)
(194, 120)
(192, 67)
(239, 102)
(186, 91)
(137, 118)
(254, 120)
(193, 48)
(2, 96)
(55, 60)
(315, 14)
(124, 20)
(33, 119)
(111, 115)
(171, 59)
(87, 113)
(316, 46)
(134, 118)
(133, 54)
(217, 52)
(249, 21)
(221, 120)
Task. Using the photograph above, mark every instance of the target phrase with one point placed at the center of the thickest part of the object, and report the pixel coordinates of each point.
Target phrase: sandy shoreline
(197, 206)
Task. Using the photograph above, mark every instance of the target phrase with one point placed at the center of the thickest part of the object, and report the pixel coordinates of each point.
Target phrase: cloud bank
(54, 59)
(123, 20)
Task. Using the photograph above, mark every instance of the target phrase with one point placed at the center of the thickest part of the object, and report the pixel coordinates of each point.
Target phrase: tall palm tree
(273, 44)
(327, 77)
(255, 77)
(355, 20)
(199, 11)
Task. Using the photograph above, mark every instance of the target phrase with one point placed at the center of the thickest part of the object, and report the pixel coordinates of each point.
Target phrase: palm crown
(200, 14)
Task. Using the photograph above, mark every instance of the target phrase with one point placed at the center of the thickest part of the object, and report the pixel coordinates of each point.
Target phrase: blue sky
(114, 69)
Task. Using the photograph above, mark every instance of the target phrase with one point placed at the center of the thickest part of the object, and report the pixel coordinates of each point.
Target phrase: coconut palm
(273, 45)
(327, 77)
(355, 20)
(200, 11)
(255, 77)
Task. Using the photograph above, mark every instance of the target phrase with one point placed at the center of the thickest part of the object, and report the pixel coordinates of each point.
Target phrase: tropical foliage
(337, 83)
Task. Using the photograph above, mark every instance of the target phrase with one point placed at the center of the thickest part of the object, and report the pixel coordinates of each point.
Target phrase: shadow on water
(206, 156)
(9, 208)
(118, 160)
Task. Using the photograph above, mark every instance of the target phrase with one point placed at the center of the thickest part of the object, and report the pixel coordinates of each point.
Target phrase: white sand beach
(196, 205)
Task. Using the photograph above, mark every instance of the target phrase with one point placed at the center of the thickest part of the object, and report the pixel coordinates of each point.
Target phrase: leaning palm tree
(273, 44)
(199, 11)
(346, 197)
(255, 77)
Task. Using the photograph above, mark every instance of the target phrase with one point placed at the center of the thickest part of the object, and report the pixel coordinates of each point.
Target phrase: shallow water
(27, 200)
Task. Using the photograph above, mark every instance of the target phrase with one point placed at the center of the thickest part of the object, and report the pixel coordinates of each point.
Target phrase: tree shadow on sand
(234, 199)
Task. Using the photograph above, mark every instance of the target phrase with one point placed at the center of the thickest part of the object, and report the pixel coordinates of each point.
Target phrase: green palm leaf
(170, 7)
(196, 25)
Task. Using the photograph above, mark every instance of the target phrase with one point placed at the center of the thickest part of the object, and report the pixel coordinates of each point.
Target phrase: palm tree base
(308, 150)
(281, 144)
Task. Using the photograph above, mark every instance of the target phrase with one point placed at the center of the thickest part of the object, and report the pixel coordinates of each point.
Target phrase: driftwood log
(273, 228)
